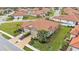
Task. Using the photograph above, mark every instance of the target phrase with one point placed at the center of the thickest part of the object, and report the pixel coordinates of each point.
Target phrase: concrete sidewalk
(31, 47)
(6, 34)
(16, 21)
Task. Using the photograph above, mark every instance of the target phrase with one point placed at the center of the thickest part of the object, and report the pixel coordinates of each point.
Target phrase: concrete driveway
(24, 42)
(20, 43)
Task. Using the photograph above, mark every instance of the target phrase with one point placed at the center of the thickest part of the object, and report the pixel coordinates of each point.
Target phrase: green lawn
(10, 18)
(7, 37)
(56, 41)
(11, 28)
(27, 49)
(30, 17)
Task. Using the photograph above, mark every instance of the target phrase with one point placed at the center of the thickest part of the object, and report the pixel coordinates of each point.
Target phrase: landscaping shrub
(27, 34)
(42, 36)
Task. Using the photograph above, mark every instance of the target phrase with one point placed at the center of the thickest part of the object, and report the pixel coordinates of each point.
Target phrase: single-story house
(18, 14)
(71, 19)
(40, 24)
(69, 11)
(40, 11)
(75, 38)
(75, 31)
(68, 20)
(75, 44)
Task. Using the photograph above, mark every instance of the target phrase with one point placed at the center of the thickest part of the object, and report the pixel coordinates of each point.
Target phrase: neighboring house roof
(75, 42)
(41, 25)
(20, 12)
(75, 31)
(68, 17)
(69, 11)
(40, 11)
(72, 15)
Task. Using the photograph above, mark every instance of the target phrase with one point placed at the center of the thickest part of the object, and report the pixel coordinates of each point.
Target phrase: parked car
(24, 35)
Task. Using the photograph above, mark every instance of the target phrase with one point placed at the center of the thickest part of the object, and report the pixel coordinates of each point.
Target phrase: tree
(42, 36)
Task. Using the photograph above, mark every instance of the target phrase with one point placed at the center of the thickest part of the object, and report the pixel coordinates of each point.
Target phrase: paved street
(7, 46)
(16, 21)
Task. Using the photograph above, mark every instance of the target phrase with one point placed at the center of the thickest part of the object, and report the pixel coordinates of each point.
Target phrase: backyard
(11, 28)
(56, 41)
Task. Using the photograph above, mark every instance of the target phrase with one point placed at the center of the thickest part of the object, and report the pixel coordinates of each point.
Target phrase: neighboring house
(40, 24)
(37, 11)
(41, 11)
(75, 31)
(75, 44)
(18, 14)
(71, 19)
(69, 11)
(75, 38)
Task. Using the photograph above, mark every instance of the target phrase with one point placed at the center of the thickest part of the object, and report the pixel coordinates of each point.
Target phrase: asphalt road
(5, 45)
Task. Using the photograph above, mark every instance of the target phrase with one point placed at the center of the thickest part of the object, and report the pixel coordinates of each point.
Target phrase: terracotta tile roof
(72, 17)
(69, 11)
(42, 25)
(26, 24)
(20, 12)
(75, 42)
(45, 24)
(75, 31)
(40, 11)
